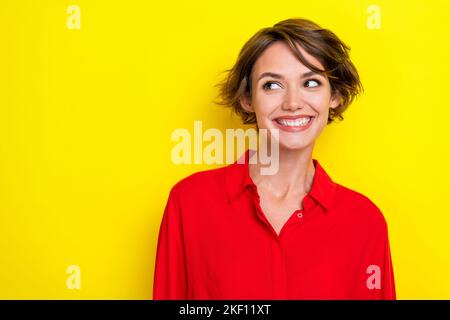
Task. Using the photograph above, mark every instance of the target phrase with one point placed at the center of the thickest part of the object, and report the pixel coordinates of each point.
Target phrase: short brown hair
(321, 43)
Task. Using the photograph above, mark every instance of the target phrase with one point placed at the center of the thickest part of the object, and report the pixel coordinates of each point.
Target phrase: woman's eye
(270, 85)
(312, 83)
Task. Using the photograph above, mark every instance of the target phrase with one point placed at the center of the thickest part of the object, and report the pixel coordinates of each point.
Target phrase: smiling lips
(294, 123)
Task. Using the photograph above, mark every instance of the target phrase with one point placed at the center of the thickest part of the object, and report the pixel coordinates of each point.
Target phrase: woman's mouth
(294, 125)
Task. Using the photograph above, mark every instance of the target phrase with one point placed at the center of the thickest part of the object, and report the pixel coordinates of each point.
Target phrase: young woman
(234, 233)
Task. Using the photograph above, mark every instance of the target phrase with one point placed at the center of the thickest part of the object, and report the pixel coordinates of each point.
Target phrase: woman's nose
(293, 99)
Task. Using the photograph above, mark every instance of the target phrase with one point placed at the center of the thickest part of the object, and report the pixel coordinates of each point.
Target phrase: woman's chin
(292, 146)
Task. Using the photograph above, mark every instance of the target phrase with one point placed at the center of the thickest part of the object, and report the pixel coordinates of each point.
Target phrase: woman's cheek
(267, 107)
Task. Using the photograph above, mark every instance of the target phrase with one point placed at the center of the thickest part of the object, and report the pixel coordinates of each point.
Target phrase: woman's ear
(335, 100)
(245, 102)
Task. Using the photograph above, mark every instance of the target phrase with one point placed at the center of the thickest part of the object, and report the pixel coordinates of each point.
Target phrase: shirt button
(299, 214)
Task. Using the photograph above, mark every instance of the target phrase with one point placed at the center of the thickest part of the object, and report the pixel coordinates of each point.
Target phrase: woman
(234, 233)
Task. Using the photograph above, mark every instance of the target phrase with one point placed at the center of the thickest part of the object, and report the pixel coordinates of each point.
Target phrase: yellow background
(86, 117)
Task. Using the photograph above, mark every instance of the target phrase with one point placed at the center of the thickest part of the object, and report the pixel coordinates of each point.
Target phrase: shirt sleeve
(377, 267)
(380, 283)
(170, 281)
(388, 288)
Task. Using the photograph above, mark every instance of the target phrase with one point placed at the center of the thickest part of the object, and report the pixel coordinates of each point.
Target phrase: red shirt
(216, 243)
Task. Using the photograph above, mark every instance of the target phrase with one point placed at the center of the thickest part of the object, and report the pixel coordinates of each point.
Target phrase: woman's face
(288, 96)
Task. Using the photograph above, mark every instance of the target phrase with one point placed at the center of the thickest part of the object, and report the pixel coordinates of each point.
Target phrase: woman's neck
(294, 177)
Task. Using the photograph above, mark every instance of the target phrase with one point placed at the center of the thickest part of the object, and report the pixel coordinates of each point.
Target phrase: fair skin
(288, 91)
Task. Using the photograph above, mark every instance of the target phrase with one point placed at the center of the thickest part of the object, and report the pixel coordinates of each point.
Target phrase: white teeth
(294, 123)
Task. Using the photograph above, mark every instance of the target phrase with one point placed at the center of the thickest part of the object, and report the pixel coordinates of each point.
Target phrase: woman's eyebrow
(279, 76)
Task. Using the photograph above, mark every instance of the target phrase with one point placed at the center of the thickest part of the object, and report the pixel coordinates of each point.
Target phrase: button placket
(253, 192)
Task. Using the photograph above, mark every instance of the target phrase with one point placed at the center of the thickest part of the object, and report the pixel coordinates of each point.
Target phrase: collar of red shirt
(237, 177)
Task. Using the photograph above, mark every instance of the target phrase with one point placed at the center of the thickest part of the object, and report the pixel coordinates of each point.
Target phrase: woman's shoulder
(359, 204)
(199, 181)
